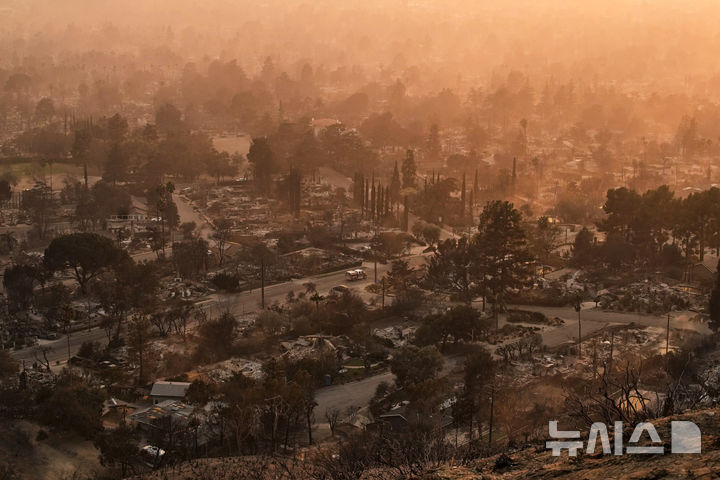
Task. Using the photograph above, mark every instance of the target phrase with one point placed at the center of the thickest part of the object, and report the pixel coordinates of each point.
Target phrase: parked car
(339, 290)
(153, 452)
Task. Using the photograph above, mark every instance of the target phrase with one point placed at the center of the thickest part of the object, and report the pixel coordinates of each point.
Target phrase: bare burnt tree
(332, 416)
(613, 398)
(385, 454)
(43, 352)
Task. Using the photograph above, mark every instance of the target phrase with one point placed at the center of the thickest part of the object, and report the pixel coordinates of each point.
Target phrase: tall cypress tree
(372, 198)
(367, 197)
(409, 170)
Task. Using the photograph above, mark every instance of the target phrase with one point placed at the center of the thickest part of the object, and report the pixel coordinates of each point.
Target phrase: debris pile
(396, 335)
(307, 346)
(225, 370)
(533, 318)
(179, 288)
(649, 297)
(313, 261)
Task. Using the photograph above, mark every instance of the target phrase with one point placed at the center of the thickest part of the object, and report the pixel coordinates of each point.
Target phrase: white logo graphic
(685, 438)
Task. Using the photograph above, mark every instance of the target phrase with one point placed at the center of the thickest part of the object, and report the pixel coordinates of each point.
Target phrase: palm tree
(311, 289)
(317, 298)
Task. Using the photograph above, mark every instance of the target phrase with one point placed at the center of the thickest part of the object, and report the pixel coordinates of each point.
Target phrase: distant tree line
(653, 229)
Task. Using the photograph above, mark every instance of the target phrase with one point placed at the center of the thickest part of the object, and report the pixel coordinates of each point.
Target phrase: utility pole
(67, 313)
(492, 412)
(383, 292)
(594, 359)
(578, 307)
(374, 250)
(579, 336)
(262, 282)
(495, 312)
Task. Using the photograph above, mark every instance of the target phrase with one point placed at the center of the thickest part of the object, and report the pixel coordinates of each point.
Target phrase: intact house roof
(710, 262)
(169, 389)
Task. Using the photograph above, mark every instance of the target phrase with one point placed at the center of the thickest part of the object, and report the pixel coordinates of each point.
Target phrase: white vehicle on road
(153, 452)
(357, 274)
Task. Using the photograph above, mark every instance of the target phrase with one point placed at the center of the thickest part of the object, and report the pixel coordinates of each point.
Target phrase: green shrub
(525, 316)
(226, 281)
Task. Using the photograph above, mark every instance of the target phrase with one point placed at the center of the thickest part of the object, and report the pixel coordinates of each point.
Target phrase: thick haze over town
(359, 240)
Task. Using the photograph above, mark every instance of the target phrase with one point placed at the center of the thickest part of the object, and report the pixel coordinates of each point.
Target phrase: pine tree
(409, 170)
(501, 239)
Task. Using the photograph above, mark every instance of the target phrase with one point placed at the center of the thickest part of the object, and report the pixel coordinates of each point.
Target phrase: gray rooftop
(169, 389)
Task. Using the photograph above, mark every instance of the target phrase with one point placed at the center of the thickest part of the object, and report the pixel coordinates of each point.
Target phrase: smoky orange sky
(657, 45)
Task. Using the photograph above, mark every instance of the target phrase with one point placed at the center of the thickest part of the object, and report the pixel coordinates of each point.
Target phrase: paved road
(187, 214)
(244, 302)
(238, 304)
(594, 319)
(248, 301)
(59, 348)
(353, 394)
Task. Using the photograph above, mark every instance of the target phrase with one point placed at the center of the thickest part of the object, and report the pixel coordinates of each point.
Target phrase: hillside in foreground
(530, 462)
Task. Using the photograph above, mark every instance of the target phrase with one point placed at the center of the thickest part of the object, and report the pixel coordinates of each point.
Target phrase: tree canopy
(86, 254)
